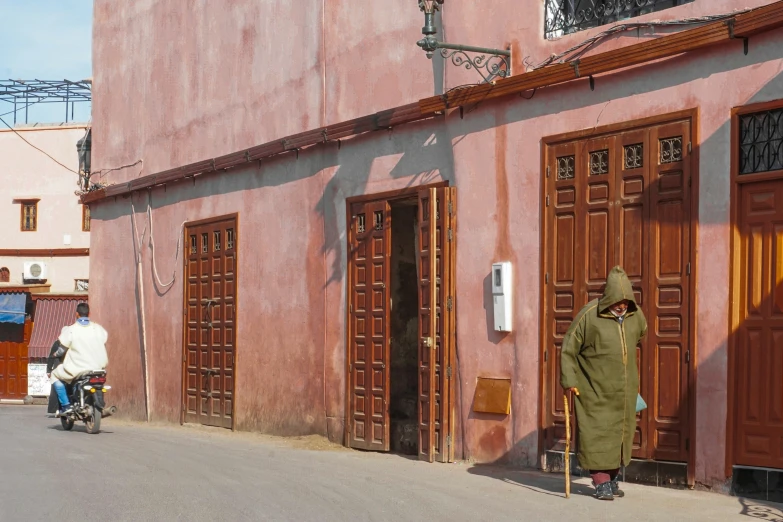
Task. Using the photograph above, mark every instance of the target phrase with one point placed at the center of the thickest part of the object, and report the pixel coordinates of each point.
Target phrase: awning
(12, 308)
(50, 317)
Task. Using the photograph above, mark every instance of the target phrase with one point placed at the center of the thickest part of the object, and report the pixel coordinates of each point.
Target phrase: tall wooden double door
(209, 357)
(369, 310)
(623, 199)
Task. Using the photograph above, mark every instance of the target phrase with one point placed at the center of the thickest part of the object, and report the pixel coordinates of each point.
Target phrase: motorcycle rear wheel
(67, 423)
(93, 423)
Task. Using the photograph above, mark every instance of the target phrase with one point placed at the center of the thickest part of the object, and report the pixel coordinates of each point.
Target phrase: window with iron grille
(29, 219)
(570, 16)
(761, 142)
(81, 285)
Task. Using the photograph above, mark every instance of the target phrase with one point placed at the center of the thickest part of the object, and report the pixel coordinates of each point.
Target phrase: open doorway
(400, 335)
(404, 328)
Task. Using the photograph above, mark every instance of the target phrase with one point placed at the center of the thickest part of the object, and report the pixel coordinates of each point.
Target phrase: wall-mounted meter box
(501, 295)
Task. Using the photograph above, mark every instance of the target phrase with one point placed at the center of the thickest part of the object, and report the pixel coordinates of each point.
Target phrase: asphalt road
(150, 473)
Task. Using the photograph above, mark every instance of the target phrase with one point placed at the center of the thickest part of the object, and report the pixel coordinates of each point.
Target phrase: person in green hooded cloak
(598, 364)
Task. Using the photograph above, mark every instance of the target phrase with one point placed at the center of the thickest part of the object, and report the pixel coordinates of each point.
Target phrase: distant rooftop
(17, 96)
(44, 125)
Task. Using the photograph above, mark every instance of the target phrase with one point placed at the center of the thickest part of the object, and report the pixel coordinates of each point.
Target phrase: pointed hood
(618, 288)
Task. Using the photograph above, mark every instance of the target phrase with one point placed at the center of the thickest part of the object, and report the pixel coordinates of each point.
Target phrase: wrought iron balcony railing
(570, 16)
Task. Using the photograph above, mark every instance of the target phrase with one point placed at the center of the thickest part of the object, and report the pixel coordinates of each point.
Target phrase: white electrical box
(501, 295)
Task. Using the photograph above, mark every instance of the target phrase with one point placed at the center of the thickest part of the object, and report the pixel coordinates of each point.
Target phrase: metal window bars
(569, 16)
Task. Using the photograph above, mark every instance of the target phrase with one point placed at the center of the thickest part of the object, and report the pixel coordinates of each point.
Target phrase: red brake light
(97, 380)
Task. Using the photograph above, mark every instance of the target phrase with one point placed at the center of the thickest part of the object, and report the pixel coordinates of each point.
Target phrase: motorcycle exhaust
(108, 412)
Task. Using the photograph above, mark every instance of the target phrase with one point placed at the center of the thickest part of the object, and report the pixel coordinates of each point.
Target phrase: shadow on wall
(714, 153)
(652, 78)
(426, 155)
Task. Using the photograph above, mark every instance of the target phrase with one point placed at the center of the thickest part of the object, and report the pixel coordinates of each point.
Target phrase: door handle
(208, 372)
(209, 303)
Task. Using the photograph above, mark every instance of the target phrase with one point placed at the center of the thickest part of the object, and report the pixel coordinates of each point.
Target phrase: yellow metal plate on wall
(492, 396)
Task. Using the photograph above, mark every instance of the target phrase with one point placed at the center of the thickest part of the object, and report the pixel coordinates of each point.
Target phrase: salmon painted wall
(292, 251)
(25, 173)
(176, 85)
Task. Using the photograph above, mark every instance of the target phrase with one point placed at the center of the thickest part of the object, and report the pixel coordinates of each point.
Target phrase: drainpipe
(140, 285)
(144, 339)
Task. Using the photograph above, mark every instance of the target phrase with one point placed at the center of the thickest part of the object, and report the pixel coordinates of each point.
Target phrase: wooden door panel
(759, 351)
(210, 323)
(632, 246)
(668, 356)
(444, 317)
(380, 250)
(599, 256)
(428, 321)
(369, 354)
(564, 292)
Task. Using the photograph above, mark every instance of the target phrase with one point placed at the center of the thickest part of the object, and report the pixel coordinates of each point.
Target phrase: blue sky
(47, 40)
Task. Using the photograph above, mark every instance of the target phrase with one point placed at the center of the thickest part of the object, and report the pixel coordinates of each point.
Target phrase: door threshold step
(654, 473)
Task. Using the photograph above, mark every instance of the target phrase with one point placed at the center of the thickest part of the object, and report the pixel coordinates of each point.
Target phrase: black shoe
(604, 491)
(616, 491)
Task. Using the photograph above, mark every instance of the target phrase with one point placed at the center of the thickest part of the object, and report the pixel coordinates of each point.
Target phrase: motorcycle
(87, 397)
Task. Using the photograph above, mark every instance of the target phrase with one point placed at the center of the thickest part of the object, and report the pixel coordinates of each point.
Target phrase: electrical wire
(103, 172)
(152, 244)
(20, 108)
(39, 150)
(142, 314)
(584, 46)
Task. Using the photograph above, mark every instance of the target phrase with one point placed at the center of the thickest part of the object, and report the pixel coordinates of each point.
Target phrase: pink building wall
(26, 173)
(207, 93)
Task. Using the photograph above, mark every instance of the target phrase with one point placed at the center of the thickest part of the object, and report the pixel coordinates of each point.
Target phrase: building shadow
(761, 509)
(536, 481)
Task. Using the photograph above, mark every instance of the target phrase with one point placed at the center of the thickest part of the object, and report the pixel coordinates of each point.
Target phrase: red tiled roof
(50, 317)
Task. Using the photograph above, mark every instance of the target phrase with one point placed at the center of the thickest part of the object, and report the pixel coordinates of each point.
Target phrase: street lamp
(429, 43)
(490, 64)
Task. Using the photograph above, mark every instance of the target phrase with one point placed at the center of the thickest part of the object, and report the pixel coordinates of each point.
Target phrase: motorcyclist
(85, 342)
(56, 355)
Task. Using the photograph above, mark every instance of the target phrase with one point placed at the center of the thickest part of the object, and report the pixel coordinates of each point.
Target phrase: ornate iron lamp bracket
(488, 63)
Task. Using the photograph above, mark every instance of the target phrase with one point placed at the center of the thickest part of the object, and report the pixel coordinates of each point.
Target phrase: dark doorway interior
(404, 328)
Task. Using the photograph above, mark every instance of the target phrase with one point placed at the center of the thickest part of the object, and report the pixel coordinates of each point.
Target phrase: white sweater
(86, 351)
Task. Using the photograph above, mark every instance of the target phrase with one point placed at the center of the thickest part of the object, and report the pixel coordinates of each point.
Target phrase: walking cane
(567, 406)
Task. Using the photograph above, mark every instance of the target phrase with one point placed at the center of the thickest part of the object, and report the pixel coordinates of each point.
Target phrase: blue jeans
(62, 395)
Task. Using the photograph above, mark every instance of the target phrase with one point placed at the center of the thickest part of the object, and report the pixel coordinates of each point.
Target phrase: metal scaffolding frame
(21, 94)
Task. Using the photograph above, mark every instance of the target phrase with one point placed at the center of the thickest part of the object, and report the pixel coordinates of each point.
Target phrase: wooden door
(633, 162)
(623, 199)
(436, 257)
(758, 437)
(14, 339)
(428, 319)
(564, 286)
(666, 354)
(369, 308)
(210, 326)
